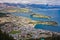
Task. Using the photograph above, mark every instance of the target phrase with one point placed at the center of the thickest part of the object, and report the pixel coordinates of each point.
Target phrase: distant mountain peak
(44, 6)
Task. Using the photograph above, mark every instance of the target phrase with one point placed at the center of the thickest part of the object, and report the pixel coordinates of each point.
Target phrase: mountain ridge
(43, 6)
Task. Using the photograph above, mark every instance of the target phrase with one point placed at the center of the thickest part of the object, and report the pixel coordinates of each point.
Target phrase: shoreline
(19, 23)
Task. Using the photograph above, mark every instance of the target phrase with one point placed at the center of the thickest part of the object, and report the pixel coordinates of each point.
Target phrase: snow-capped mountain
(43, 6)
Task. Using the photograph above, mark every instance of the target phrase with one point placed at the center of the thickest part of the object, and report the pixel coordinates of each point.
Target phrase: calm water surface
(55, 14)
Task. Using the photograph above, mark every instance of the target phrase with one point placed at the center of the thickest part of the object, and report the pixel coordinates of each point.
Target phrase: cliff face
(18, 28)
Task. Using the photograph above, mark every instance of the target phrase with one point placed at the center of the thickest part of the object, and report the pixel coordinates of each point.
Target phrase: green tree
(4, 36)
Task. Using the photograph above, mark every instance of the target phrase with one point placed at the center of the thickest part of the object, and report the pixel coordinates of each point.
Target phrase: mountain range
(42, 6)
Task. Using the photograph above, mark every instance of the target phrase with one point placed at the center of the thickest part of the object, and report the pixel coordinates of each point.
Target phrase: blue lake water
(55, 14)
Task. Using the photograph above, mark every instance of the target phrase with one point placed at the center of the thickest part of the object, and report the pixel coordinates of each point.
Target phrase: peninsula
(50, 23)
(40, 16)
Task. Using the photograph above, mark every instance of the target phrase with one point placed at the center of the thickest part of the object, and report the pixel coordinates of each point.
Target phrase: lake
(54, 13)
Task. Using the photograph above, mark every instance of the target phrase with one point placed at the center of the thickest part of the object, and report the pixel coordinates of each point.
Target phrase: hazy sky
(33, 1)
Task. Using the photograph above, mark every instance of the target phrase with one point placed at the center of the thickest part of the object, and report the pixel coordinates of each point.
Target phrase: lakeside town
(18, 28)
(22, 28)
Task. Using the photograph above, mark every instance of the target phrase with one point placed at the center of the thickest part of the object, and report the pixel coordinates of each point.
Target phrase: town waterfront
(54, 13)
